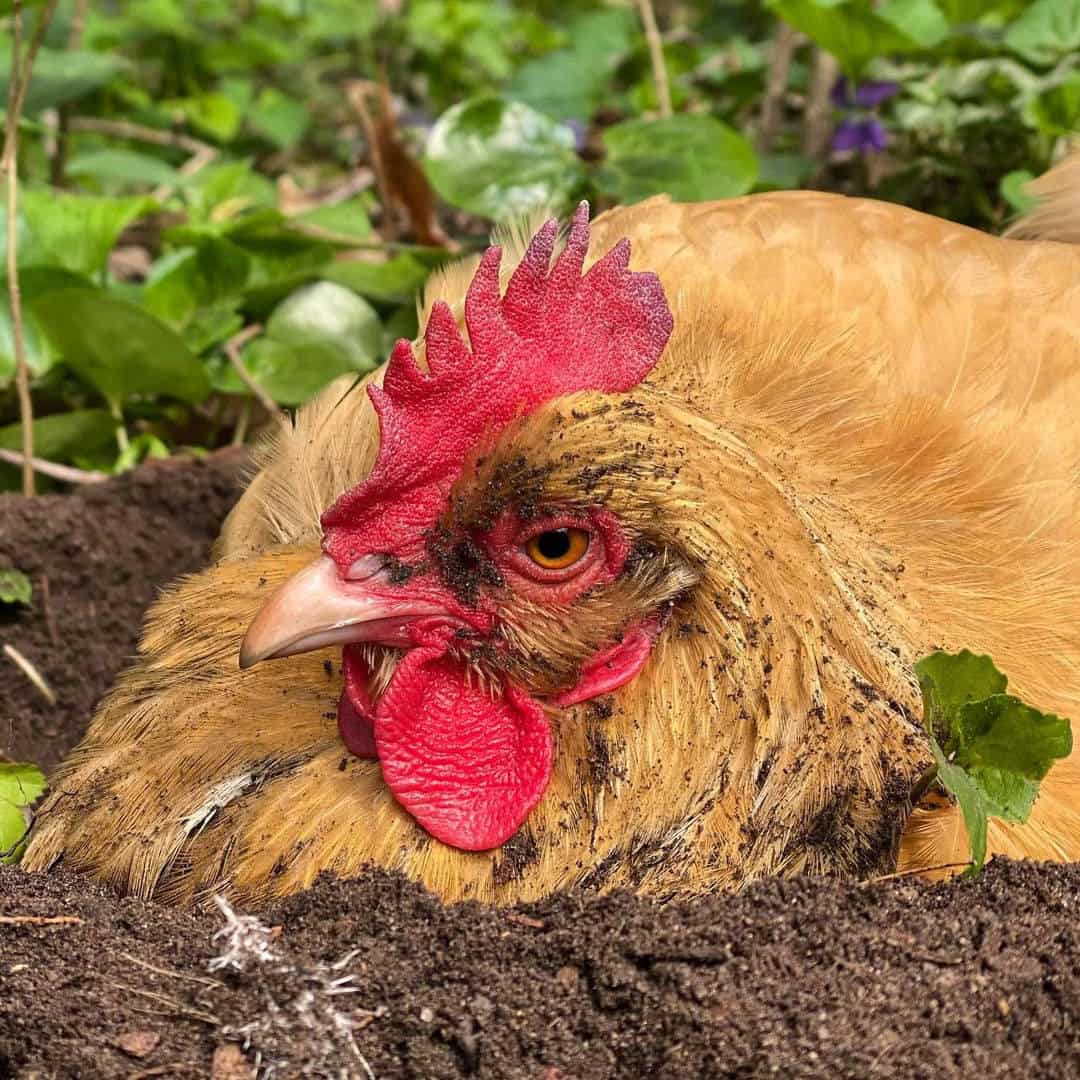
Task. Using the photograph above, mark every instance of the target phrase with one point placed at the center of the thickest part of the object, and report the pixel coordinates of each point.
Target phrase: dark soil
(96, 560)
(374, 977)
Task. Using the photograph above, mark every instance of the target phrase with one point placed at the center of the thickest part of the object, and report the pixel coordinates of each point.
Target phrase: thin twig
(656, 56)
(21, 70)
(59, 154)
(201, 979)
(915, 871)
(39, 920)
(125, 129)
(817, 116)
(232, 349)
(30, 672)
(177, 1006)
(163, 1070)
(785, 43)
(198, 161)
(68, 473)
(46, 609)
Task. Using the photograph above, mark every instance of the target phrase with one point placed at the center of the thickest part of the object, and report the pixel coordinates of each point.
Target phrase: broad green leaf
(214, 114)
(396, 281)
(290, 374)
(15, 588)
(499, 159)
(282, 119)
(119, 347)
(1002, 732)
(1047, 31)
(40, 355)
(568, 84)
(1012, 190)
(20, 784)
(996, 748)
(1006, 795)
(234, 186)
(60, 75)
(58, 437)
(852, 32)
(12, 831)
(321, 331)
(79, 231)
(127, 167)
(348, 219)
(1057, 110)
(171, 291)
(949, 681)
(921, 20)
(329, 314)
(688, 157)
(212, 325)
(972, 803)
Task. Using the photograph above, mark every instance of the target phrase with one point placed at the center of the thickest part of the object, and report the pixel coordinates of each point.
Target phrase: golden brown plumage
(861, 443)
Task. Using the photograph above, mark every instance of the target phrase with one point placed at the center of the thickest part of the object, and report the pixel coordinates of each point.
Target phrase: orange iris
(557, 549)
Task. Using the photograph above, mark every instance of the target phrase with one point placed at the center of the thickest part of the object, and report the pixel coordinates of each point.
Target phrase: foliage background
(224, 204)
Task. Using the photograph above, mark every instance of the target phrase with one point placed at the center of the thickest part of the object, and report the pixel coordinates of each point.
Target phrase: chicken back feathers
(861, 443)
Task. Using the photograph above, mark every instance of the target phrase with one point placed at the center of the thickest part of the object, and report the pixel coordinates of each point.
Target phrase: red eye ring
(556, 548)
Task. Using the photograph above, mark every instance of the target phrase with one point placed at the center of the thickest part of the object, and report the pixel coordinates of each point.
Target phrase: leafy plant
(15, 587)
(990, 749)
(20, 787)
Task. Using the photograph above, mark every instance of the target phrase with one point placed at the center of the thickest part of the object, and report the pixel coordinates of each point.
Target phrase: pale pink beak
(318, 607)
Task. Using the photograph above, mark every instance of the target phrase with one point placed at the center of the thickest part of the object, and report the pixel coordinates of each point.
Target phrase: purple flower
(867, 95)
(867, 135)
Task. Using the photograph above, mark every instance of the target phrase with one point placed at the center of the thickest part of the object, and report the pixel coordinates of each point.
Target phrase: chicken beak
(318, 607)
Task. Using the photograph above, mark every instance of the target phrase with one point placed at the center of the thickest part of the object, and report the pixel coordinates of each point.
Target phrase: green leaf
(235, 183)
(852, 32)
(127, 167)
(15, 588)
(347, 219)
(20, 784)
(972, 803)
(688, 157)
(921, 20)
(996, 749)
(60, 75)
(499, 159)
(1047, 31)
(79, 231)
(321, 331)
(949, 681)
(40, 355)
(328, 313)
(569, 84)
(119, 347)
(396, 281)
(1057, 110)
(1012, 190)
(58, 437)
(12, 830)
(1001, 732)
(214, 114)
(282, 119)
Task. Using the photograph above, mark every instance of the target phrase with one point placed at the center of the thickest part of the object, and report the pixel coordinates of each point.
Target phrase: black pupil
(554, 544)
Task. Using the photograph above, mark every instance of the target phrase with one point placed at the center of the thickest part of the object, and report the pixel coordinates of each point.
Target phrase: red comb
(553, 333)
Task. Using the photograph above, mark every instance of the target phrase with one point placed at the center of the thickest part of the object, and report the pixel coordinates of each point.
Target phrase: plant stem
(58, 164)
(232, 349)
(18, 81)
(656, 56)
(117, 413)
(817, 116)
(772, 107)
(67, 473)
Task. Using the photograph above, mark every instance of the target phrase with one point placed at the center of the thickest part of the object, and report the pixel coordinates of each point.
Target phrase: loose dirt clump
(377, 978)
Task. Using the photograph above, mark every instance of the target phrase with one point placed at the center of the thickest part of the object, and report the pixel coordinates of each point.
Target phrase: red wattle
(612, 667)
(467, 763)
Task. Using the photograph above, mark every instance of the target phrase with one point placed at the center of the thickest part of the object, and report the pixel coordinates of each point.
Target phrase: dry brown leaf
(137, 1044)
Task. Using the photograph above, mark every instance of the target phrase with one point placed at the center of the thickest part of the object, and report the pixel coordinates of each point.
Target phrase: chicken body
(861, 443)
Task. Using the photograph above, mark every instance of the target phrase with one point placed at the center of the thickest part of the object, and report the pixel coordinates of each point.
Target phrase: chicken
(626, 592)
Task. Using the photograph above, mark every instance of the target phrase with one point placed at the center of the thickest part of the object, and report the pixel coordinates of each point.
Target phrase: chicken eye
(557, 549)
